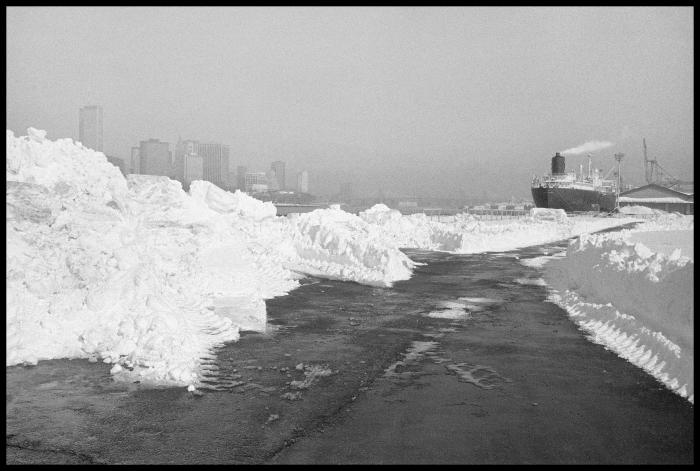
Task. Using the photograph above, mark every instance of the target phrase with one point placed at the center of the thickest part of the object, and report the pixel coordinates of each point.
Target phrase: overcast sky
(415, 101)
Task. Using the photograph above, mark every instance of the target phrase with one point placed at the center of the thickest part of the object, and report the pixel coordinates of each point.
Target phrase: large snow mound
(138, 273)
(633, 300)
(326, 240)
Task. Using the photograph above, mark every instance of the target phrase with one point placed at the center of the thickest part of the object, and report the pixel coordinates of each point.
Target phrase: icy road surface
(462, 363)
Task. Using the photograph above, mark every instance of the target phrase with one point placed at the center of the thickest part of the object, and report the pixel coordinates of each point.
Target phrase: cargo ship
(572, 192)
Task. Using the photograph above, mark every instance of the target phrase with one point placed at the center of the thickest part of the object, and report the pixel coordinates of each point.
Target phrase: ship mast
(618, 157)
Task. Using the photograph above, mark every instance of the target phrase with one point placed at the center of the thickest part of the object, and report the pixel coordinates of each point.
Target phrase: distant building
(90, 127)
(659, 197)
(215, 162)
(177, 171)
(116, 161)
(278, 168)
(155, 157)
(135, 162)
(240, 177)
(193, 169)
(196, 160)
(255, 181)
(272, 184)
(303, 181)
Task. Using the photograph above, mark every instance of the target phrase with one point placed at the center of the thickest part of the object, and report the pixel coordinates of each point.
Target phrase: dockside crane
(655, 173)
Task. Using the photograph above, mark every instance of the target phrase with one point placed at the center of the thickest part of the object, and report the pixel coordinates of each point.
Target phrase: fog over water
(411, 101)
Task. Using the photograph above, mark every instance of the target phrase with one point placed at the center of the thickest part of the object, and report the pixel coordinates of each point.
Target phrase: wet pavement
(463, 363)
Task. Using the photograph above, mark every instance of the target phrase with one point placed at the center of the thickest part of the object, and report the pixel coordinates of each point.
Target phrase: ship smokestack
(558, 164)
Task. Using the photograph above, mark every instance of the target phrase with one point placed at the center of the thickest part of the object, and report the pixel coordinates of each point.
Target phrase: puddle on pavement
(480, 376)
(464, 308)
(415, 353)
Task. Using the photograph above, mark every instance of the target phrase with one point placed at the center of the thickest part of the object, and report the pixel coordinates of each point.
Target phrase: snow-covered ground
(632, 291)
(137, 273)
(466, 234)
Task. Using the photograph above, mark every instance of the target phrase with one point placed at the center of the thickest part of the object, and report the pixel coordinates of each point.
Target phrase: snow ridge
(136, 272)
(637, 302)
(140, 274)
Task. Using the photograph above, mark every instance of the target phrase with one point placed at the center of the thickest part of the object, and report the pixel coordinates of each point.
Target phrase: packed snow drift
(467, 234)
(636, 300)
(140, 274)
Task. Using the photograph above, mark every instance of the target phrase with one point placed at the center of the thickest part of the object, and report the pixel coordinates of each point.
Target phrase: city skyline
(191, 160)
(425, 101)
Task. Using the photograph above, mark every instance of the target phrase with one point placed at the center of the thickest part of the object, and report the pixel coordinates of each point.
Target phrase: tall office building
(135, 162)
(240, 177)
(256, 181)
(193, 169)
(272, 183)
(215, 164)
(196, 160)
(278, 168)
(303, 181)
(155, 158)
(189, 165)
(90, 127)
(178, 170)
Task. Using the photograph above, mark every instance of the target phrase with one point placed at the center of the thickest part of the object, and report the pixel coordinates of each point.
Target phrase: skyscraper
(278, 167)
(90, 127)
(240, 177)
(135, 163)
(155, 158)
(193, 169)
(189, 165)
(303, 181)
(255, 181)
(215, 165)
(196, 160)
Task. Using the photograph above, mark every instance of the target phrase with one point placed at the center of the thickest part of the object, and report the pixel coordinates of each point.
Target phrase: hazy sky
(417, 101)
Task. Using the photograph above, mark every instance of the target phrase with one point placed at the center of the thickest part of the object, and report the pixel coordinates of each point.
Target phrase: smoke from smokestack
(590, 146)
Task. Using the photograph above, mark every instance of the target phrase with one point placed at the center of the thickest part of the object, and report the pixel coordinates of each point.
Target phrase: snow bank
(466, 234)
(341, 245)
(138, 273)
(548, 214)
(635, 301)
(664, 221)
(415, 230)
(639, 210)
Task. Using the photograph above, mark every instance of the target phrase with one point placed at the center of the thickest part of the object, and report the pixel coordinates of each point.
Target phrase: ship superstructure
(574, 192)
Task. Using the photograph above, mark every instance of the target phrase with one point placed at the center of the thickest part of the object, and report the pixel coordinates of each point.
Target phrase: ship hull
(572, 199)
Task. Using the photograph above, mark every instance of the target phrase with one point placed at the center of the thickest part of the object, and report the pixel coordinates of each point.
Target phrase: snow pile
(343, 246)
(415, 230)
(635, 301)
(138, 273)
(639, 210)
(238, 203)
(548, 214)
(666, 222)
(466, 234)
